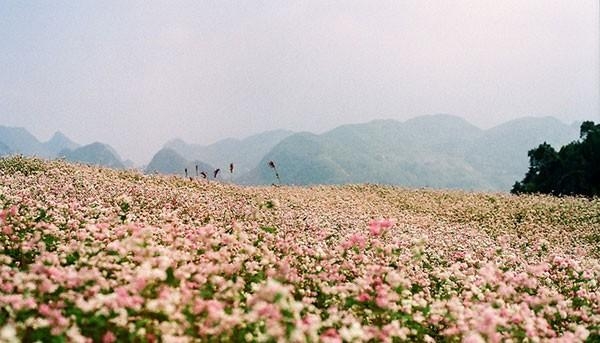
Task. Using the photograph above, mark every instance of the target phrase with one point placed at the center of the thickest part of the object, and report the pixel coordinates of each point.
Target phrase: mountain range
(169, 161)
(438, 151)
(246, 153)
(96, 153)
(18, 140)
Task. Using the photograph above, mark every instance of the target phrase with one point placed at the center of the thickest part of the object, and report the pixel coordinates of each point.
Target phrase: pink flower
(269, 311)
(7, 230)
(124, 299)
(377, 227)
(356, 240)
(140, 283)
(382, 301)
(364, 296)
(331, 336)
(214, 308)
(10, 212)
(109, 337)
(6, 287)
(45, 310)
(151, 338)
(473, 338)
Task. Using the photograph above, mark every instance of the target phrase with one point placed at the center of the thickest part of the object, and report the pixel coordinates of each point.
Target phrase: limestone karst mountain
(169, 161)
(245, 153)
(439, 151)
(95, 154)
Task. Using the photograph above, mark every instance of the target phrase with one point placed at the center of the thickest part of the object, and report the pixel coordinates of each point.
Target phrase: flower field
(90, 254)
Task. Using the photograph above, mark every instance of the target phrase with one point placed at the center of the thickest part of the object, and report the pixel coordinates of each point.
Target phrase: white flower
(394, 279)
(581, 332)
(8, 334)
(75, 335)
(352, 333)
(122, 318)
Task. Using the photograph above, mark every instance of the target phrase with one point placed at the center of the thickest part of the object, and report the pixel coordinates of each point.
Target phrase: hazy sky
(135, 74)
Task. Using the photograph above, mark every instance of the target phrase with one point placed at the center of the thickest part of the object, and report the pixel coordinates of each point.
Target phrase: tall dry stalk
(274, 167)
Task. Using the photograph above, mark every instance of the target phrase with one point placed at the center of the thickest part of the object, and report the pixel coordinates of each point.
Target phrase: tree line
(573, 170)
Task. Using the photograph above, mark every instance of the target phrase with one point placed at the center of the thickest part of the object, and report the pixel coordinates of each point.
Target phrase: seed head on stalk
(274, 167)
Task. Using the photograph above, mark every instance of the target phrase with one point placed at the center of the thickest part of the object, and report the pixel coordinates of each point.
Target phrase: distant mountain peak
(21, 141)
(382, 121)
(60, 142)
(95, 153)
(58, 135)
(97, 145)
(439, 150)
(245, 153)
(169, 161)
(439, 117)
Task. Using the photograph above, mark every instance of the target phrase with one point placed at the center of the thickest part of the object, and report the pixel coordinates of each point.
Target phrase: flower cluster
(90, 254)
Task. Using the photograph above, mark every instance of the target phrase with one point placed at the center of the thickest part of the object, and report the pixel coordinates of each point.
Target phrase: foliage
(21, 164)
(573, 170)
(92, 254)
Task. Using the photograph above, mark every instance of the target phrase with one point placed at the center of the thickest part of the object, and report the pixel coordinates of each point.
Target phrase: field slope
(113, 256)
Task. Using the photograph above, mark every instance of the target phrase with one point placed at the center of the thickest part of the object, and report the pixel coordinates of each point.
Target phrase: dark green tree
(544, 164)
(574, 170)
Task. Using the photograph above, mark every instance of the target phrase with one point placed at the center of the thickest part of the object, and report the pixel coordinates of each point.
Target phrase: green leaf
(268, 229)
(171, 279)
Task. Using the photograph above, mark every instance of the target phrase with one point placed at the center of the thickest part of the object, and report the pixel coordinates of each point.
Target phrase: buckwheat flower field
(90, 254)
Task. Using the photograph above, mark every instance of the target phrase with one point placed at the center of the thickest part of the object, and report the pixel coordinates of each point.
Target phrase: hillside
(245, 153)
(438, 151)
(60, 142)
(20, 141)
(5, 150)
(168, 161)
(121, 256)
(502, 151)
(96, 154)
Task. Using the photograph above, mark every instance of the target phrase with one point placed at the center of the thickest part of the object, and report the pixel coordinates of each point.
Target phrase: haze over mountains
(168, 161)
(439, 151)
(19, 140)
(245, 153)
(95, 153)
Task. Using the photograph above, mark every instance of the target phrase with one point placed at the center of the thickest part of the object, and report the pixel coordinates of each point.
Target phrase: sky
(135, 74)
